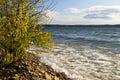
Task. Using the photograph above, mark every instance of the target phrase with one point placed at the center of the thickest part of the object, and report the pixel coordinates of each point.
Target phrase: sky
(85, 12)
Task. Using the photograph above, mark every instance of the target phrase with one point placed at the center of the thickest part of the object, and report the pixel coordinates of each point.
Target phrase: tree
(18, 28)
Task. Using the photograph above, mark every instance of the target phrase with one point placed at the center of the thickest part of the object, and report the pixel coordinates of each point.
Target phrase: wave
(84, 62)
(87, 38)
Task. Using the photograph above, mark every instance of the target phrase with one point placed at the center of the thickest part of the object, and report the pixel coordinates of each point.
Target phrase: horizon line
(83, 24)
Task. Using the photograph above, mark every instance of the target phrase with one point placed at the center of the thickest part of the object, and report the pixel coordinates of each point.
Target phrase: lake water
(85, 53)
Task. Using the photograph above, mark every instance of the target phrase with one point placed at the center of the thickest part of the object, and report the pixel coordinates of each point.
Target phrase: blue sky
(85, 12)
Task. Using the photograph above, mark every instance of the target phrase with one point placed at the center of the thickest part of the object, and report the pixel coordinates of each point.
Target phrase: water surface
(86, 53)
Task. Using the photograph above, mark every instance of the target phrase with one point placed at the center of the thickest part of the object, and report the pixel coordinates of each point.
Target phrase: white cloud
(101, 12)
(72, 10)
(91, 15)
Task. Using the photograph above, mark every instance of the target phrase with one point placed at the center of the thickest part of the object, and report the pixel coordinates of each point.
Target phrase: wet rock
(28, 69)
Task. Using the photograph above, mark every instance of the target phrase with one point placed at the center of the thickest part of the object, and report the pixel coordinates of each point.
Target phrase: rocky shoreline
(30, 69)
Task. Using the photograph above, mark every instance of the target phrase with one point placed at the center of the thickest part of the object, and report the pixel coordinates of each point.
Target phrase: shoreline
(31, 69)
(84, 62)
(65, 62)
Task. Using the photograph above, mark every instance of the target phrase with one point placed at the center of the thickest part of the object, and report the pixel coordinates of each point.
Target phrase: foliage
(18, 21)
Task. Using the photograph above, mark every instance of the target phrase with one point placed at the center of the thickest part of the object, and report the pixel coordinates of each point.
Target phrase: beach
(59, 40)
(30, 69)
(89, 53)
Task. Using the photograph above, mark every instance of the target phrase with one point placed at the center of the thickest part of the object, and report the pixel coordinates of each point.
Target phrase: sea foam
(83, 62)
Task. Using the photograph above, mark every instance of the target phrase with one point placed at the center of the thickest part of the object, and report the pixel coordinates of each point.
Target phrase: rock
(32, 71)
(42, 71)
(48, 77)
(56, 78)
(15, 77)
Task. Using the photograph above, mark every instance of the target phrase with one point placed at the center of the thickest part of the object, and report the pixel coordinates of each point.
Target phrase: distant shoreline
(58, 25)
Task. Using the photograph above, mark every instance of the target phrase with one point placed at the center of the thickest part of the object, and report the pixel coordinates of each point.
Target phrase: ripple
(84, 63)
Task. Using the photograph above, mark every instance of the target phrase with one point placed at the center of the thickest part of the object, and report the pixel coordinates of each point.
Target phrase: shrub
(18, 21)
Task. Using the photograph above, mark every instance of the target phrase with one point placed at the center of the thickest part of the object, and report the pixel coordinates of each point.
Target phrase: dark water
(107, 38)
